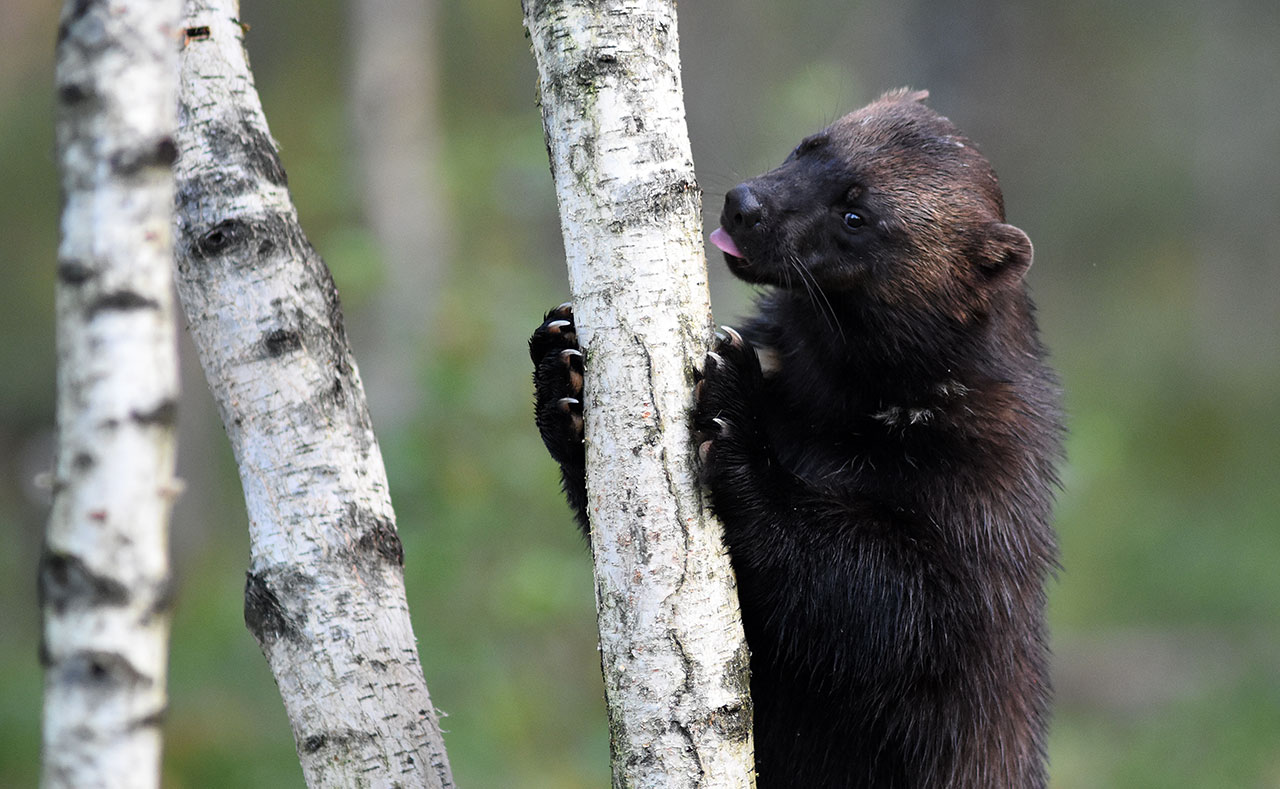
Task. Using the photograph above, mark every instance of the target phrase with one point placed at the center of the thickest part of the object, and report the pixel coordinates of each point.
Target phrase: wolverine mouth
(725, 243)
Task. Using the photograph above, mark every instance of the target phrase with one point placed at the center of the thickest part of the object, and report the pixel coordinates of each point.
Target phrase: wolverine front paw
(724, 396)
(557, 383)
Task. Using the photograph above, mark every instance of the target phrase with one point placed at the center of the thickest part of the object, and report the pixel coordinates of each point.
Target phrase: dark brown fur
(886, 486)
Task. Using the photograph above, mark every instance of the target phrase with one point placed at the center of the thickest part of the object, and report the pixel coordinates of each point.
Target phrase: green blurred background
(1138, 146)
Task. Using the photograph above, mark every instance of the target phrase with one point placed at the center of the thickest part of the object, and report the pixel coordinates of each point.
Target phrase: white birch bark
(674, 658)
(104, 576)
(325, 590)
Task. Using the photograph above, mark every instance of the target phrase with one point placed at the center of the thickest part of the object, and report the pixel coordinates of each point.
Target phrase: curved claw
(573, 407)
(733, 336)
(575, 370)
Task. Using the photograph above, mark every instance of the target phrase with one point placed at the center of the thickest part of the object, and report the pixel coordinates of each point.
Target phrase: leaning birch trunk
(325, 590)
(673, 654)
(104, 576)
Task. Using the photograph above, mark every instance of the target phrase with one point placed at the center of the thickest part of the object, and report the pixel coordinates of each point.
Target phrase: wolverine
(880, 442)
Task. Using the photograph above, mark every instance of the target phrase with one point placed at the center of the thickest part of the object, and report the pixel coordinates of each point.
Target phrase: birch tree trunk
(325, 589)
(104, 576)
(674, 659)
(397, 134)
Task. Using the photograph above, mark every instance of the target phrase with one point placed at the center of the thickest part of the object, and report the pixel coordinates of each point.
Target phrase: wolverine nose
(742, 209)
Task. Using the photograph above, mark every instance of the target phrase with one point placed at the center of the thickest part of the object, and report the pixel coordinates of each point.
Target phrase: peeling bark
(673, 654)
(324, 594)
(104, 579)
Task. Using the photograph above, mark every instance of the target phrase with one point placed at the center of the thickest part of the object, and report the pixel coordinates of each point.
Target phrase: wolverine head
(891, 201)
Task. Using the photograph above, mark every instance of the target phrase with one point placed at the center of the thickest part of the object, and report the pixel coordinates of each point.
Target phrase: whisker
(830, 309)
(793, 263)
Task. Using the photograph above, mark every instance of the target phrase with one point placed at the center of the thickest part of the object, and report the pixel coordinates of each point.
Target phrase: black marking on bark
(378, 536)
(337, 326)
(101, 669)
(323, 338)
(83, 461)
(160, 154)
(65, 581)
(338, 738)
(652, 429)
(195, 189)
(219, 238)
(734, 721)
(263, 159)
(166, 592)
(198, 33)
(248, 148)
(597, 65)
(314, 743)
(77, 12)
(151, 720)
(691, 744)
(74, 93)
(163, 415)
(121, 300)
(264, 614)
(165, 152)
(533, 9)
(236, 238)
(298, 317)
(73, 272)
(225, 143)
(675, 195)
(278, 342)
(341, 404)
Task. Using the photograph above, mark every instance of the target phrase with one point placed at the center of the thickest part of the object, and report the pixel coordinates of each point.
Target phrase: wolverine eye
(854, 221)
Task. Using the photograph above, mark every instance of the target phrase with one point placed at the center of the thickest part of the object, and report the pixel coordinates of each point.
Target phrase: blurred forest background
(1138, 144)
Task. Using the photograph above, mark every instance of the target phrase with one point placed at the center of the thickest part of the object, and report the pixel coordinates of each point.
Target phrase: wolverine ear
(1005, 256)
(905, 94)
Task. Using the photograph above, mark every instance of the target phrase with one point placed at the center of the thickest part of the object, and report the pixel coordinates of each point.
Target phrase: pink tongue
(724, 243)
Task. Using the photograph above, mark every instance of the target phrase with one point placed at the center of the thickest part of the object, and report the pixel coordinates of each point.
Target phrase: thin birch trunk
(674, 659)
(104, 576)
(325, 590)
(397, 134)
